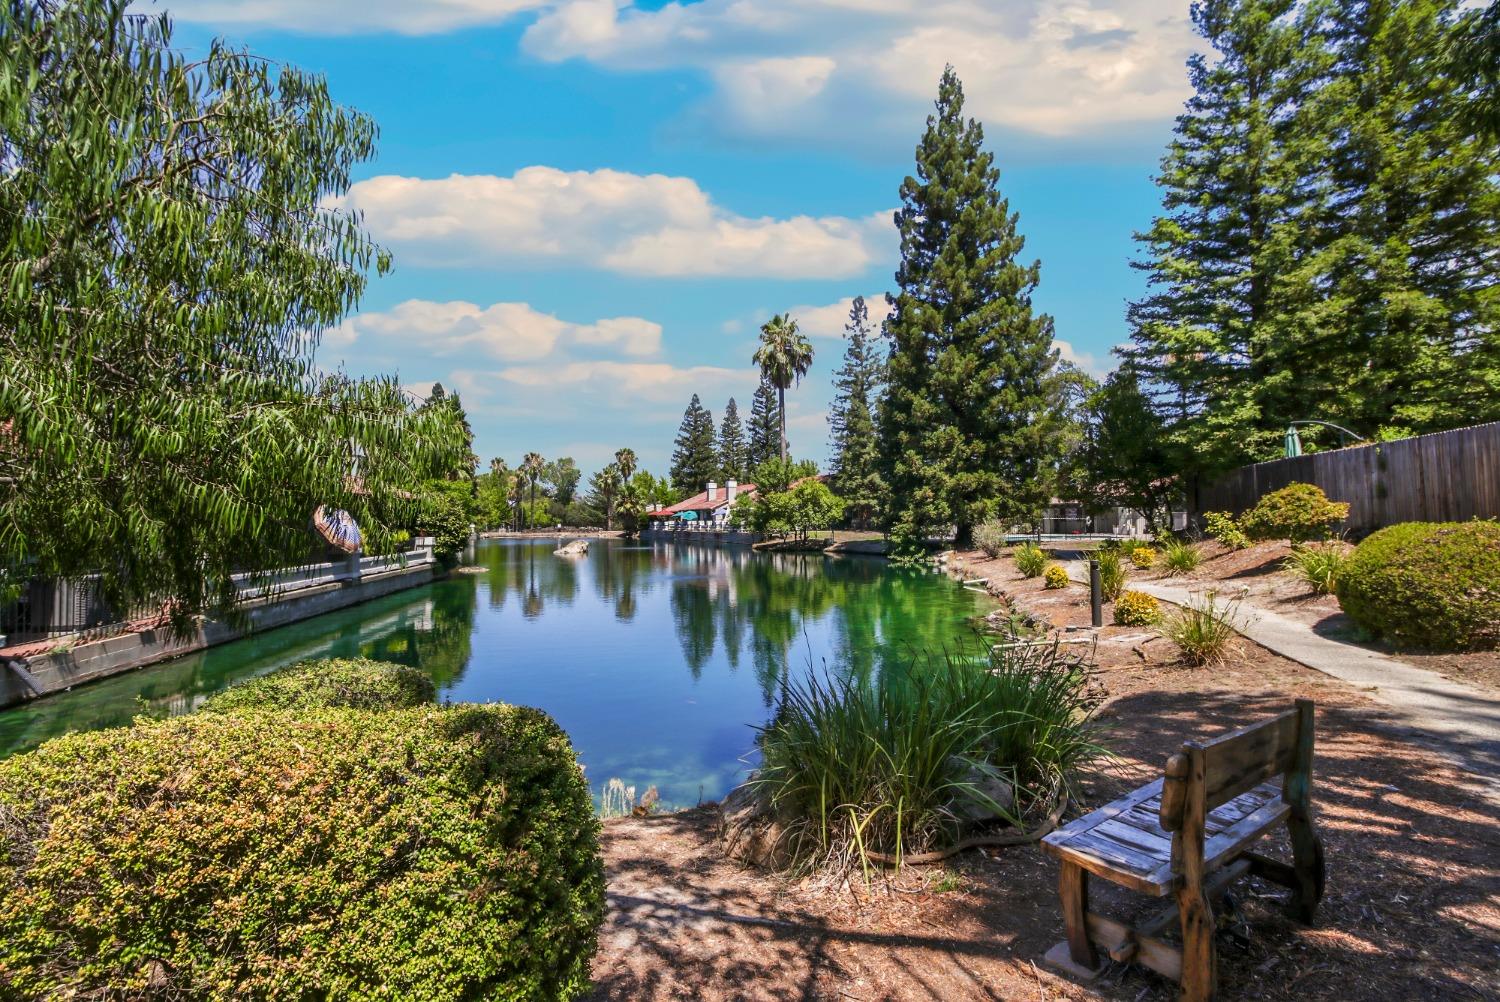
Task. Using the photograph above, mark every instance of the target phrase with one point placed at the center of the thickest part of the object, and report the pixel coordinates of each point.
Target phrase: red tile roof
(700, 501)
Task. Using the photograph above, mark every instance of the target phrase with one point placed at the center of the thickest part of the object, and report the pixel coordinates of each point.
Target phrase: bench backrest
(1240, 761)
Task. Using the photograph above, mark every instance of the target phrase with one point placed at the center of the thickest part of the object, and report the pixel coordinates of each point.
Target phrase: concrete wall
(701, 537)
(44, 674)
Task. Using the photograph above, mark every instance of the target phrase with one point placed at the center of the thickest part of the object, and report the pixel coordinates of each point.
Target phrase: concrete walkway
(1460, 721)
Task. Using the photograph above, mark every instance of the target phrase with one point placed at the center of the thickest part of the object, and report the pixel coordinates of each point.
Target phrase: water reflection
(657, 660)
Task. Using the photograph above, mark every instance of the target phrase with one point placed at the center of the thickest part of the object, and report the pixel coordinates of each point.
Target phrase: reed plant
(1203, 632)
(1111, 573)
(1179, 557)
(1031, 560)
(1318, 565)
(898, 763)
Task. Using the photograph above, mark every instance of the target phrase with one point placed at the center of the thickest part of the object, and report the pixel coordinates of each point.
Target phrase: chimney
(713, 490)
(730, 488)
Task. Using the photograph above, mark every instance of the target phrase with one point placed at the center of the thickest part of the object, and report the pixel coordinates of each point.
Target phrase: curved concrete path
(1460, 721)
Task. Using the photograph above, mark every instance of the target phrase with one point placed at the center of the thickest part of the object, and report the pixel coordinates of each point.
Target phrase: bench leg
(1307, 867)
(1200, 959)
(1073, 888)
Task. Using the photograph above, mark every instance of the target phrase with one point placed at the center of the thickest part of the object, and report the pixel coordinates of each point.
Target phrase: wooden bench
(1187, 836)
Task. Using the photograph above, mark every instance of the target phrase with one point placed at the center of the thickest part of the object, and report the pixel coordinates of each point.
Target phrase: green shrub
(1427, 584)
(991, 537)
(1297, 512)
(1319, 566)
(894, 764)
(1136, 608)
(354, 683)
(1055, 576)
(1031, 560)
(1204, 633)
(1222, 526)
(428, 854)
(1143, 557)
(1111, 574)
(1180, 558)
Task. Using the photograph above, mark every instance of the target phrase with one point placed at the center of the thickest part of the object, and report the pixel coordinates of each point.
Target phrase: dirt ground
(1411, 912)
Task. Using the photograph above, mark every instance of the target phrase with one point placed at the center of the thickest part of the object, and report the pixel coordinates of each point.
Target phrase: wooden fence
(1449, 476)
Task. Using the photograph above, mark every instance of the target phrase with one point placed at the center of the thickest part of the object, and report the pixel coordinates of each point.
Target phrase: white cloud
(639, 224)
(627, 382)
(829, 321)
(505, 332)
(345, 17)
(819, 67)
(1087, 361)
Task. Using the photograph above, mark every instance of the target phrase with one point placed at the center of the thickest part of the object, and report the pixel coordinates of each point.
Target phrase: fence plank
(1448, 476)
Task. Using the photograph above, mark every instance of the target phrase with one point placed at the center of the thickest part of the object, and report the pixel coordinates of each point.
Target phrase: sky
(592, 205)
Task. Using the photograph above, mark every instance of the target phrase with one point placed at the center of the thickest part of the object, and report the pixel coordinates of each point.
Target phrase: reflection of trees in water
(530, 571)
(621, 575)
(438, 643)
(768, 603)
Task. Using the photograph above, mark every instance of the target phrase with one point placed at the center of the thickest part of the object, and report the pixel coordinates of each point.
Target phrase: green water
(658, 660)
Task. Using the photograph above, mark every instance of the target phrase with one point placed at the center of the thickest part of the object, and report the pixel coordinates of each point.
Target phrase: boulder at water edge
(576, 548)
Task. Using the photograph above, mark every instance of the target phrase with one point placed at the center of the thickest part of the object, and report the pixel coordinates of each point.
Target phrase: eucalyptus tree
(173, 249)
(784, 356)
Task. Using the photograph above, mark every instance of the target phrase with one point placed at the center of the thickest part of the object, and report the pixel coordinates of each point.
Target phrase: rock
(576, 548)
(749, 832)
(990, 795)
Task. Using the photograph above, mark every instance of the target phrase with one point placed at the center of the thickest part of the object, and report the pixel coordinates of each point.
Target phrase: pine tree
(1410, 330)
(765, 425)
(851, 419)
(733, 450)
(1223, 258)
(694, 460)
(963, 420)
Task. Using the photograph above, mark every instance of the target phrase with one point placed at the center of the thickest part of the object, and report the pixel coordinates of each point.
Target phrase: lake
(658, 659)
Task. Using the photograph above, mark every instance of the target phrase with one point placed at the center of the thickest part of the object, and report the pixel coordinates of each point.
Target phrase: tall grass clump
(1179, 557)
(1111, 573)
(990, 537)
(1204, 632)
(904, 763)
(1031, 560)
(1318, 565)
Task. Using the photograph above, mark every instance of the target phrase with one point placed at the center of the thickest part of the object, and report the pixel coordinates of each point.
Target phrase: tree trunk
(781, 406)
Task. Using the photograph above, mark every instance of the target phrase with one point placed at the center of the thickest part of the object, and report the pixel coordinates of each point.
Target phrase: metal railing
(54, 608)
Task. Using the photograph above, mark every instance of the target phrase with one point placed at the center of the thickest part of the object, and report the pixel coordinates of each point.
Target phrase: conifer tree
(765, 425)
(1409, 334)
(962, 422)
(1222, 259)
(851, 418)
(733, 450)
(694, 460)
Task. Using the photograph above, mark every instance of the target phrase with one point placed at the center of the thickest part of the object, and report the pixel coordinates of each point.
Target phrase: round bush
(1297, 512)
(1055, 576)
(352, 683)
(435, 853)
(1136, 608)
(1143, 557)
(1431, 585)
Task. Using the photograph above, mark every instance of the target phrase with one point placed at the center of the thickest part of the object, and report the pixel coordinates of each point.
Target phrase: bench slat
(1124, 841)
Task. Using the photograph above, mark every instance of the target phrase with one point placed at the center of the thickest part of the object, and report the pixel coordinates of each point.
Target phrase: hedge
(1432, 585)
(353, 683)
(435, 853)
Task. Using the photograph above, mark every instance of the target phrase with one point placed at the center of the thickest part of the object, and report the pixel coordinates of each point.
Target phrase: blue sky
(593, 204)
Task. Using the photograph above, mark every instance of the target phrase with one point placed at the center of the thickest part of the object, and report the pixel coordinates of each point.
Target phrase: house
(710, 509)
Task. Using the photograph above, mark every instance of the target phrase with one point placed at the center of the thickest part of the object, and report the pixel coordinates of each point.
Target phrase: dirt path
(1412, 909)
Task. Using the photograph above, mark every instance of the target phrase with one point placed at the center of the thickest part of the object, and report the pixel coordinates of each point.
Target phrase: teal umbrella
(1293, 442)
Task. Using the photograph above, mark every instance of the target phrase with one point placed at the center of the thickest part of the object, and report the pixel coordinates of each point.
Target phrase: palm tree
(533, 464)
(625, 460)
(784, 357)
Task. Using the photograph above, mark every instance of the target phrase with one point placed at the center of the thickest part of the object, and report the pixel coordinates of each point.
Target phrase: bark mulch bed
(1412, 909)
